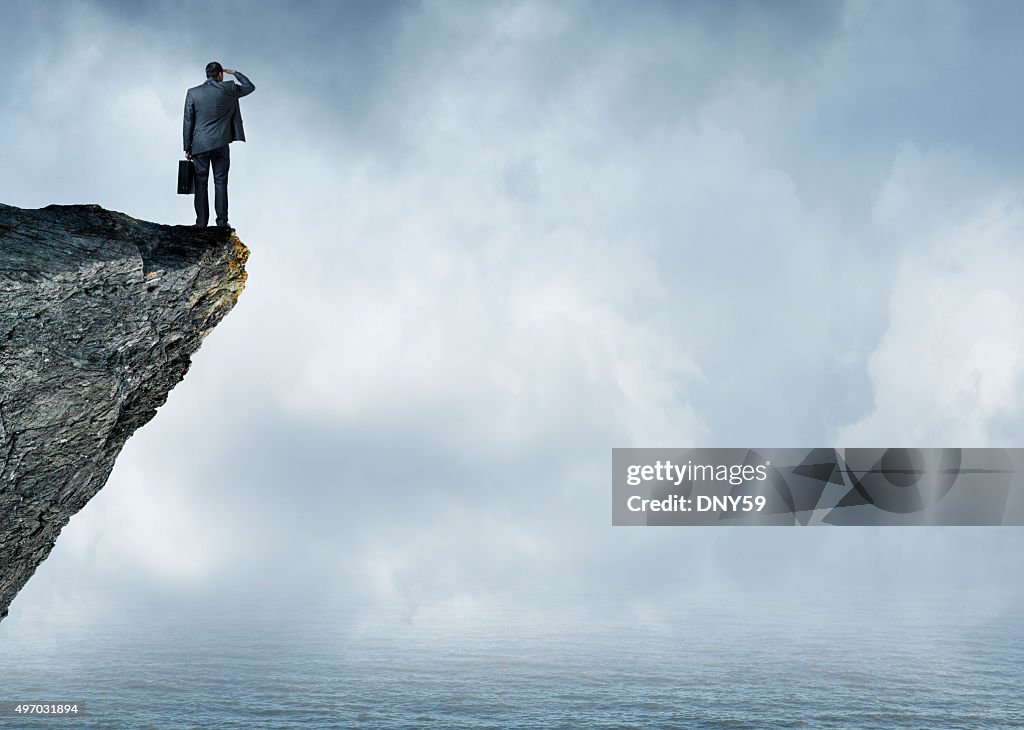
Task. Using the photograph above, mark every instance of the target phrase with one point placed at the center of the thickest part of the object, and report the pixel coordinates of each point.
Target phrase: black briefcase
(186, 177)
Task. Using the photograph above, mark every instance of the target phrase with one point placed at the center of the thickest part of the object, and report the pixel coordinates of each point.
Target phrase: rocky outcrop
(99, 316)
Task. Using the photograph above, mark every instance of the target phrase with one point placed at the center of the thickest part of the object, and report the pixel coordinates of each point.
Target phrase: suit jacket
(212, 116)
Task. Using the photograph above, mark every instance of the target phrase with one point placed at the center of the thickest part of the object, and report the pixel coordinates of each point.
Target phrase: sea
(741, 664)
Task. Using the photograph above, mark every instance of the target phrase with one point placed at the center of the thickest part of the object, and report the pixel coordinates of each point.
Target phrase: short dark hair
(212, 69)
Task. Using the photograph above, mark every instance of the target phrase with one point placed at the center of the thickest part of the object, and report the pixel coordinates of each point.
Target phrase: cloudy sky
(493, 240)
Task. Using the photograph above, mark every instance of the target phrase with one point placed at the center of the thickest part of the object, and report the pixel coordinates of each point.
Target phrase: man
(212, 122)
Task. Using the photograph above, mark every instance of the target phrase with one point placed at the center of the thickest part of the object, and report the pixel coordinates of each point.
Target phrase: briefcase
(186, 177)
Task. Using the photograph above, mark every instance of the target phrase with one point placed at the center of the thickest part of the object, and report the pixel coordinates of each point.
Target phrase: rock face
(99, 316)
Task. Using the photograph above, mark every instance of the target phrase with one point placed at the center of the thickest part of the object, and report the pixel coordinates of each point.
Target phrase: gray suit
(212, 122)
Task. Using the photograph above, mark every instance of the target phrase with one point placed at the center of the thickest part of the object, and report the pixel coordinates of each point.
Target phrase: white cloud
(950, 367)
(148, 526)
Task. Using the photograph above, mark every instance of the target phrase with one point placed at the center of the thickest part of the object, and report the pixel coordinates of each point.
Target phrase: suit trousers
(220, 158)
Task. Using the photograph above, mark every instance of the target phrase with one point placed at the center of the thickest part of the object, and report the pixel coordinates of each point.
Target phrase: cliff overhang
(100, 314)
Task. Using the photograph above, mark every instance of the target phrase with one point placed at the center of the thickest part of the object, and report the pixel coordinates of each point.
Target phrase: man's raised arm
(244, 85)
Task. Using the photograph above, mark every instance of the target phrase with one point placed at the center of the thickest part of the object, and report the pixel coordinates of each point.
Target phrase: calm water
(745, 666)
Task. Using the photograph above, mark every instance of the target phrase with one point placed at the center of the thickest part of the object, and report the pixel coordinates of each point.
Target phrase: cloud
(948, 370)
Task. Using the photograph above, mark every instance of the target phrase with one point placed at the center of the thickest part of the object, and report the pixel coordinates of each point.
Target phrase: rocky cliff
(99, 316)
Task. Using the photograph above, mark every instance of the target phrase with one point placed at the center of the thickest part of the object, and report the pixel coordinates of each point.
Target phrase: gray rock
(99, 316)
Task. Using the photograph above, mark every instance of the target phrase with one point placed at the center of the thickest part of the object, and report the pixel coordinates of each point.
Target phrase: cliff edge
(99, 316)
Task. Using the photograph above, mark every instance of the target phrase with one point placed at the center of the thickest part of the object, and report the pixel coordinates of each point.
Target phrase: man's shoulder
(203, 88)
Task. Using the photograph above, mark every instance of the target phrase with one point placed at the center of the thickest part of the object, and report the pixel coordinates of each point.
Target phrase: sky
(493, 240)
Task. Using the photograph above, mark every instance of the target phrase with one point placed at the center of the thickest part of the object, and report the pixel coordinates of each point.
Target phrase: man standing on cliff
(212, 122)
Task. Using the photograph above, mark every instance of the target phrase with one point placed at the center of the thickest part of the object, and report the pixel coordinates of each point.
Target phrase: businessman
(212, 122)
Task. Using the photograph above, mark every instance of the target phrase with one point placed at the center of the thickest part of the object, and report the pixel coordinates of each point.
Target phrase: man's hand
(188, 155)
(230, 71)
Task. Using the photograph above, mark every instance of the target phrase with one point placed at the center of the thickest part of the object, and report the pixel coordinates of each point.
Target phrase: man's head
(214, 71)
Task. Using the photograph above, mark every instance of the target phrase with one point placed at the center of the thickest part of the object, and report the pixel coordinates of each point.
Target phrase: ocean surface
(746, 665)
